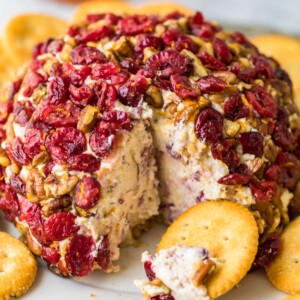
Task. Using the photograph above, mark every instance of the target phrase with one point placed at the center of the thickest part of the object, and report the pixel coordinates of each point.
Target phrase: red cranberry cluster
(56, 97)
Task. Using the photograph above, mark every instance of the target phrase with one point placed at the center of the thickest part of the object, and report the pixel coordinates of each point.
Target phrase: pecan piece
(54, 205)
(41, 158)
(154, 97)
(35, 191)
(203, 270)
(57, 186)
(4, 160)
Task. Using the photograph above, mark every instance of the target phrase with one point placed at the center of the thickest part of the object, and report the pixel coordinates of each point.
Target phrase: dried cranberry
(33, 142)
(239, 37)
(132, 92)
(144, 41)
(234, 179)
(120, 78)
(262, 101)
(175, 15)
(87, 192)
(273, 173)
(211, 84)
(163, 297)
(79, 256)
(103, 255)
(224, 151)
(58, 90)
(130, 64)
(63, 115)
(211, 62)
(31, 213)
(14, 89)
(252, 143)
(17, 184)
(19, 153)
(94, 35)
(167, 62)
(222, 51)
(262, 66)
(101, 144)
(204, 31)
(31, 81)
(267, 251)
(5, 109)
(84, 163)
(283, 75)
(162, 84)
(36, 64)
(183, 87)
(73, 30)
(49, 46)
(64, 143)
(48, 167)
(247, 75)
(51, 256)
(263, 190)
(23, 112)
(209, 125)
(196, 20)
(179, 41)
(106, 95)
(111, 19)
(120, 120)
(2, 135)
(105, 70)
(86, 55)
(60, 226)
(9, 204)
(235, 109)
(136, 24)
(149, 271)
(282, 136)
(81, 95)
(78, 76)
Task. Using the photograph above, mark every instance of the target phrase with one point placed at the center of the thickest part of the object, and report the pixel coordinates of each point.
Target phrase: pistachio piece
(87, 119)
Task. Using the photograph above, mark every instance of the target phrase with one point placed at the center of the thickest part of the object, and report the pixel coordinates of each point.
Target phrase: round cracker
(162, 9)
(293, 297)
(227, 230)
(22, 32)
(286, 51)
(96, 7)
(284, 271)
(6, 68)
(17, 265)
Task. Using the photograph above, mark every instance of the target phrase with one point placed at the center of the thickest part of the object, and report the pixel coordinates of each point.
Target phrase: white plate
(120, 286)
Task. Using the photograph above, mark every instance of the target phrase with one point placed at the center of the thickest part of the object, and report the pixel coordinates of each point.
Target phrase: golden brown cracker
(286, 51)
(106, 6)
(226, 229)
(6, 68)
(293, 297)
(284, 271)
(22, 32)
(18, 267)
(162, 8)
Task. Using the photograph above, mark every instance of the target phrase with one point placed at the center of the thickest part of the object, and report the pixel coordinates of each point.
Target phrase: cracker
(284, 271)
(23, 32)
(6, 69)
(162, 9)
(227, 230)
(286, 51)
(18, 267)
(293, 297)
(96, 7)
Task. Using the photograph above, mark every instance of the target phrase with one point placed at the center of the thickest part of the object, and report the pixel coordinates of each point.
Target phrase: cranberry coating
(64, 143)
(252, 143)
(183, 87)
(79, 256)
(148, 269)
(209, 126)
(263, 190)
(84, 163)
(211, 84)
(9, 204)
(103, 255)
(86, 55)
(60, 226)
(23, 112)
(87, 192)
(235, 109)
(51, 256)
(58, 90)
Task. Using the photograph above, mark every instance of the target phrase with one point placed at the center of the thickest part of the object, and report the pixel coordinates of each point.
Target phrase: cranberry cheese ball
(97, 110)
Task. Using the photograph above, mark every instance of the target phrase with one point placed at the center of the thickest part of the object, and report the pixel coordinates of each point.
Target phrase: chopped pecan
(41, 158)
(231, 128)
(203, 102)
(87, 119)
(39, 94)
(56, 204)
(35, 191)
(202, 271)
(154, 97)
(33, 245)
(123, 47)
(270, 150)
(4, 160)
(57, 186)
